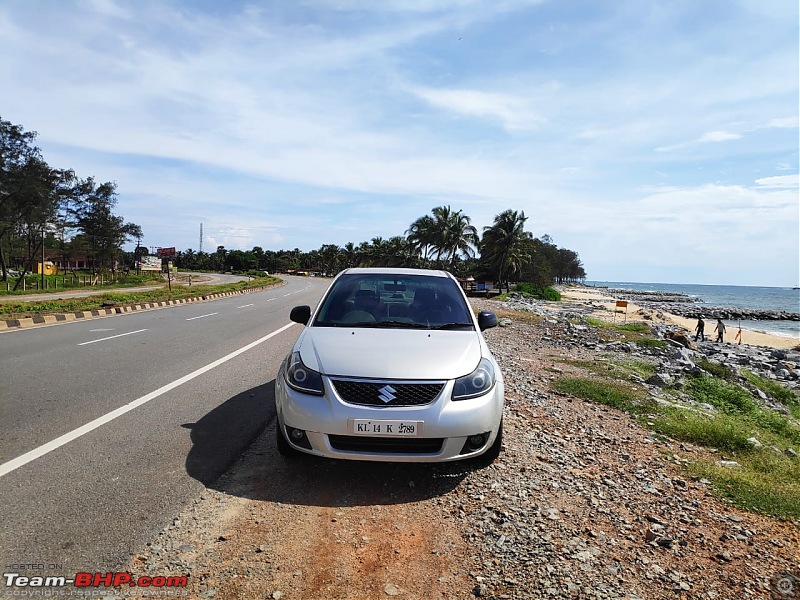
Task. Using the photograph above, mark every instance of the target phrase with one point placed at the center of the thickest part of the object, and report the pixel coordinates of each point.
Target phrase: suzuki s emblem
(387, 393)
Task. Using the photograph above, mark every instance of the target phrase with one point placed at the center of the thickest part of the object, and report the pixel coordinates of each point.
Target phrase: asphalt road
(111, 425)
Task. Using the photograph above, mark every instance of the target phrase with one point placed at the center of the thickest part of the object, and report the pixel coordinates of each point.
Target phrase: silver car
(391, 366)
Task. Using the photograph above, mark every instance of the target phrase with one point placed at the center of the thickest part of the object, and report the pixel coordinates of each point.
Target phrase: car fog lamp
(476, 441)
(297, 434)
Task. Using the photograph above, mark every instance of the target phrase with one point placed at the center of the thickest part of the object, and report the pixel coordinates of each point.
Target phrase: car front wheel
(284, 447)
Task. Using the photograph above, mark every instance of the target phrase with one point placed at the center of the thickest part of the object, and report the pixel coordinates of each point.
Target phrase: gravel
(583, 502)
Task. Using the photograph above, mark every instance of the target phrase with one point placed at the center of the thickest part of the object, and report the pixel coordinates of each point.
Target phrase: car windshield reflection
(386, 301)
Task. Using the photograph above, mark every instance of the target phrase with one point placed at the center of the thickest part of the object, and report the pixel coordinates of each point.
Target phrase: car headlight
(476, 383)
(299, 377)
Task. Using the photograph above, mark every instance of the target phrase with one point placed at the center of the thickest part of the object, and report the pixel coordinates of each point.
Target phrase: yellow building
(49, 268)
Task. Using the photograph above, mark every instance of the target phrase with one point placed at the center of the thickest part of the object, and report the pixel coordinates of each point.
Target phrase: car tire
(284, 447)
(493, 452)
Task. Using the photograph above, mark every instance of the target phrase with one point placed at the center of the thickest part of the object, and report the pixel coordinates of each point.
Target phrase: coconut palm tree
(459, 237)
(420, 236)
(504, 244)
(443, 235)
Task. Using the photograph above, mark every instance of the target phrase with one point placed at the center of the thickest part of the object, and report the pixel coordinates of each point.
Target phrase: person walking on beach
(700, 329)
(720, 329)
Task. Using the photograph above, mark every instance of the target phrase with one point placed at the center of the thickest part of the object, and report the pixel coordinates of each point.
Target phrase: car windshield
(390, 301)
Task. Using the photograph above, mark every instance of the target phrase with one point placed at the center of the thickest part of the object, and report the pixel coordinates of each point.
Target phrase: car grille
(384, 393)
(355, 443)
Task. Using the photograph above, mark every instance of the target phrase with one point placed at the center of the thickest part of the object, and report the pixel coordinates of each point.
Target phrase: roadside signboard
(165, 252)
(150, 263)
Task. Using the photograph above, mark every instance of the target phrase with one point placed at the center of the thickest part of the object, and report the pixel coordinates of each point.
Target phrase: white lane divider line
(245, 305)
(202, 316)
(271, 299)
(24, 459)
(111, 337)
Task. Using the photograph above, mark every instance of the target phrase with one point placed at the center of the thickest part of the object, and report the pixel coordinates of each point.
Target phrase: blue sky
(657, 139)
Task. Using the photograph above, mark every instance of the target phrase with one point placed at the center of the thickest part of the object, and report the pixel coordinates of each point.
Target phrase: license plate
(385, 428)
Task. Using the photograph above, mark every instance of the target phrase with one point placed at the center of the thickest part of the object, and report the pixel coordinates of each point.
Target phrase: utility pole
(201, 239)
(42, 256)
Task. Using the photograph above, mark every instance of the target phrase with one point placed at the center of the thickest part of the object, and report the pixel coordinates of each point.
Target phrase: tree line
(42, 206)
(70, 217)
(444, 239)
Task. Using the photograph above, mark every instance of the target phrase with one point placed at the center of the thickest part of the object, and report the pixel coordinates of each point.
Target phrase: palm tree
(444, 233)
(420, 236)
(459, 237)
(349, 255)
(504, 244)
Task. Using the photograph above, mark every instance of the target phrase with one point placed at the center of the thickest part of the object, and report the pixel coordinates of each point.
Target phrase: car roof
(395, 271)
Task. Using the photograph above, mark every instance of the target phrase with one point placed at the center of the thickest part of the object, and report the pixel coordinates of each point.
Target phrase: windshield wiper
(393, 324)
(452, 326)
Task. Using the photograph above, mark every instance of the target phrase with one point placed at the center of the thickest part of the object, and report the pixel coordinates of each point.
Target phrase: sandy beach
(608, 304)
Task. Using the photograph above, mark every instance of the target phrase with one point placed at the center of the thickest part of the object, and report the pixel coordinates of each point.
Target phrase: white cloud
(785, 123)
(512, 112)
(718, 136)
(780, 182)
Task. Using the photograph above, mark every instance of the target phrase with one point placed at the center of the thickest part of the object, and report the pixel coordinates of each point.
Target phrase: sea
(730, 296)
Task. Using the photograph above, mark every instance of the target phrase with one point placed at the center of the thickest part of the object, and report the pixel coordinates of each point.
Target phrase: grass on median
(121, 298)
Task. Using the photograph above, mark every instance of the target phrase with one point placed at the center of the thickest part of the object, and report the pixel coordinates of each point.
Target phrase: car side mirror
(486, 320)
(301, 314)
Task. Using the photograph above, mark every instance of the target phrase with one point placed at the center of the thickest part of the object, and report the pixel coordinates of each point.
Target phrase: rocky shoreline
(693, 308)
(683, 352)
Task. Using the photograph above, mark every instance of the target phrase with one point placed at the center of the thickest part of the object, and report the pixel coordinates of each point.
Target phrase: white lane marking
(111, 337)
(24, 459)
(245, 305)
(104, 329)
(271, 299)
(202, 316)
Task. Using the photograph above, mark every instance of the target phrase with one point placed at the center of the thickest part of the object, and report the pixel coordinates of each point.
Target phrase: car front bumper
(446, 426)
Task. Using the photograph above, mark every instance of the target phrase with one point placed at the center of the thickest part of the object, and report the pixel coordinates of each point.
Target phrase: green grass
(764, 483)
(609, 393)
(618, 368)
(716, 369)
(720, 431)
(639, 333)
(767, 480)
(782, 394)
(12, 309)
(57, 283)
(652, 343)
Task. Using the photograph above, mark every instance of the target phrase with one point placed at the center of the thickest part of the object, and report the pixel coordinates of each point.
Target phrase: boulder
(682, 338)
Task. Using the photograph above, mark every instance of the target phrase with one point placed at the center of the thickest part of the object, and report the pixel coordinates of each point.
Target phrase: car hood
(390, 353)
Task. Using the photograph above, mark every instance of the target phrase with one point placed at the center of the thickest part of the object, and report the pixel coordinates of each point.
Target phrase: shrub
(529, 289)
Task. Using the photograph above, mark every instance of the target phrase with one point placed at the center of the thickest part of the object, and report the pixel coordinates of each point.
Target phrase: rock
(728, 464)
(391, 589)
(754, 442)
(681, 338)
(661, 380)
